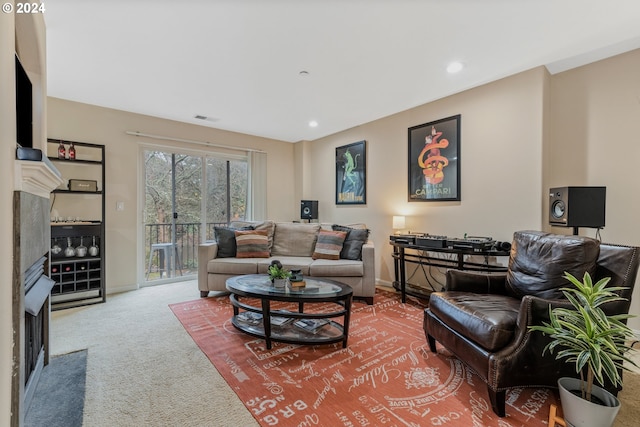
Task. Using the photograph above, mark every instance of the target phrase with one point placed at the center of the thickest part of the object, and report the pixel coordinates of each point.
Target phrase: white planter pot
(279, 283)
(582, 413)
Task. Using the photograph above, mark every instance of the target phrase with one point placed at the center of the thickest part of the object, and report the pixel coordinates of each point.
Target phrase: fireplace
(36, 324)
(31, 284)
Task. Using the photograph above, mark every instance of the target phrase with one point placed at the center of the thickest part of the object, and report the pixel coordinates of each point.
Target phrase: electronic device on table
(432, 241)
(409, 239)
(474, 243)
(429, 241)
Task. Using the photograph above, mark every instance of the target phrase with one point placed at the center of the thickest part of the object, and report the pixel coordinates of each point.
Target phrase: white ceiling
(238, 61)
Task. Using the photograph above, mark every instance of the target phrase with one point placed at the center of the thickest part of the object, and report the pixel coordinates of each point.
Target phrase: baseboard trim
(384, 283)
(120, 289)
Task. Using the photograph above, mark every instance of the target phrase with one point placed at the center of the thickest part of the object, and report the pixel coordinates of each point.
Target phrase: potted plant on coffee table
(596, 343)
(278, 274)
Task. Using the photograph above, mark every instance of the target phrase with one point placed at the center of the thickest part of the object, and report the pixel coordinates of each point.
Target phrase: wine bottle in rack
(62, 152)
(72, 152)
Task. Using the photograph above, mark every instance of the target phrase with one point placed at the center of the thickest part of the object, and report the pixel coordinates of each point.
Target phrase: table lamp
(398, 223)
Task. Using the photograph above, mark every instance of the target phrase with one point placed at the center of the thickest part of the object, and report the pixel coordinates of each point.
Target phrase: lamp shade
(398, 222)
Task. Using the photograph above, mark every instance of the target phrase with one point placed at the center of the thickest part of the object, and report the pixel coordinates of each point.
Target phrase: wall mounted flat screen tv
(24, 107)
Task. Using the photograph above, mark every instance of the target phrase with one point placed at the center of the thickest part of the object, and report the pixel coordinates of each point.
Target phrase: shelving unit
(78, 220)
(77, 276)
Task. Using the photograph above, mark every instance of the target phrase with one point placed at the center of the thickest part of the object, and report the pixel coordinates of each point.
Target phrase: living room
(529, 133)
(520, 136)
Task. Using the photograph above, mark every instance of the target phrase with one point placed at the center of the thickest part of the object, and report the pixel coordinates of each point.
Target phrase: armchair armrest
(536, 310)
(533, 311)
(206, 251)
(479, 283)
(511, 366)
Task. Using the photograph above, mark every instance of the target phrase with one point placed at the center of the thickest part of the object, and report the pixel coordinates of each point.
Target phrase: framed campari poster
(434, 161)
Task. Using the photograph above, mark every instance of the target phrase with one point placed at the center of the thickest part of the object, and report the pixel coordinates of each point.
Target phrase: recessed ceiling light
(454, 67)
(313, 124)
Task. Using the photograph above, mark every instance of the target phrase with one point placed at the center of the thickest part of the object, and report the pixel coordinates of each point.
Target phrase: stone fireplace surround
(34, 181)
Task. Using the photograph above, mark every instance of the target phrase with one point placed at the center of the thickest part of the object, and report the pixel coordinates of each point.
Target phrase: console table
(405, 253)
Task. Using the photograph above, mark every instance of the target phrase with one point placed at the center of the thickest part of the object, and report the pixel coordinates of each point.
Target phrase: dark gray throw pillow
(226, 238)
(352, 246)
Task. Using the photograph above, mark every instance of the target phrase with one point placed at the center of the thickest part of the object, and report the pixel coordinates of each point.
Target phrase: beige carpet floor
(143, 369)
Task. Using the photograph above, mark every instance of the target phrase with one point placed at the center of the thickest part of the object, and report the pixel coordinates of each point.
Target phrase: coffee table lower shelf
(330, 333)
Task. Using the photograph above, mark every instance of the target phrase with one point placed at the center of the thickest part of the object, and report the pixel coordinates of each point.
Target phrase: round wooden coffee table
(296, 327)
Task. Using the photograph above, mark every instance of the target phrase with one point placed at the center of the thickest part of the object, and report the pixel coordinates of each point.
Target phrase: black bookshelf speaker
(309, 209)
(577, 206)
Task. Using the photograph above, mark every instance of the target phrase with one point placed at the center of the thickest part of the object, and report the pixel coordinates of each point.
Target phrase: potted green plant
(278, 274)
(596, 342)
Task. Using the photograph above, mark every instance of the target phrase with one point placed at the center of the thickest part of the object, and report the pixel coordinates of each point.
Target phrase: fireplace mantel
(36, 177)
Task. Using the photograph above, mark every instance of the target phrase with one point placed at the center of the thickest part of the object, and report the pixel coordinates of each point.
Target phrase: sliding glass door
(176, 215)
(226, 201)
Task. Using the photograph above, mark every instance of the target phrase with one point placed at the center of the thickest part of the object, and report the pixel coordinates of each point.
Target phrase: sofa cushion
(233, 266)
(226, 239)
(329, 244)
(538, 260)
(488, 321)
(294, 239)
(336, 268)
(352, 246)
(301, 263)
(252, 244)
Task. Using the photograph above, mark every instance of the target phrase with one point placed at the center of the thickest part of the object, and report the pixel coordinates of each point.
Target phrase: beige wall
(594, 140)
(81, 122)
(501, 160)
(520, 136)
(7, 147)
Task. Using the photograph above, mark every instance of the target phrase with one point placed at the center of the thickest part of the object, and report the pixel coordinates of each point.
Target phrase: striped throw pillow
(329, 244)
(252, 244)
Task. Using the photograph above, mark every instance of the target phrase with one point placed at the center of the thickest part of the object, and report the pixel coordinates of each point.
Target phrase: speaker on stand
(577, 207)
(309, 209)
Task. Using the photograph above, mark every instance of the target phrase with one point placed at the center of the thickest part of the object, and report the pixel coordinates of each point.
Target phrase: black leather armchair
(483, 318)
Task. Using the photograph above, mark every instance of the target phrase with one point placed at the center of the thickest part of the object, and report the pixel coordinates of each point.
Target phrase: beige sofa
(293, 244)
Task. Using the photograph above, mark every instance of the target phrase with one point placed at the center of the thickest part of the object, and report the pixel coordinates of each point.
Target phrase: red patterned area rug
(385, 377)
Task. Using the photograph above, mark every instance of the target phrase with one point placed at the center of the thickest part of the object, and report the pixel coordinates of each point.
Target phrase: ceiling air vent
(207, 118)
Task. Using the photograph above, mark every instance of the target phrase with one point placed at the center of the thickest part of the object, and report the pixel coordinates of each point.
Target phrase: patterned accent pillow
(252, 244)
(356, 237)
(329, 244)
(226, 238)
